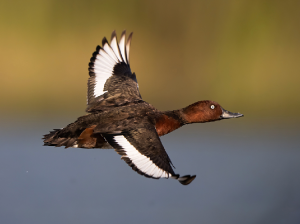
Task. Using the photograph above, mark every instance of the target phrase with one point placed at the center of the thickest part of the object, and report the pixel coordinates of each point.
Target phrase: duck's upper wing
(111, 81)
(143, 151)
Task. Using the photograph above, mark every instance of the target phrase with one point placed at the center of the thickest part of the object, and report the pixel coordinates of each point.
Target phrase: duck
(118, 118)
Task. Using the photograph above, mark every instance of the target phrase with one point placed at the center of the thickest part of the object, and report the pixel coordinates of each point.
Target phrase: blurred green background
(242, 54)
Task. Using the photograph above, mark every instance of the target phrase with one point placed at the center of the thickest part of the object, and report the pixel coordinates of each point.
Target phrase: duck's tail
(79, 138)
(53, 139)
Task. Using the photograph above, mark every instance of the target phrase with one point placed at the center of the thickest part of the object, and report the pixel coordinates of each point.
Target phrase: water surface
(244, 175)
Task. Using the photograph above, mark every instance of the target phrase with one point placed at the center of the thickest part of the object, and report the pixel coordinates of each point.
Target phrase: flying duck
(117, 116)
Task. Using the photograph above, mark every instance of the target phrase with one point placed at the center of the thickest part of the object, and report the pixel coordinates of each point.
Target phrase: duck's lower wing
(143, 151)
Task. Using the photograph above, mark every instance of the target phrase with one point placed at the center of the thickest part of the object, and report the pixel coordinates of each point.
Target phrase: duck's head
(205, 111)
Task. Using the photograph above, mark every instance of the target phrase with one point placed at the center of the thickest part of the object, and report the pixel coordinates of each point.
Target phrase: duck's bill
(227, 114)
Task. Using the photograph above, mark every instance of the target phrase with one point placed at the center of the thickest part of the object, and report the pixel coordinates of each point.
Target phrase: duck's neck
(169, 121)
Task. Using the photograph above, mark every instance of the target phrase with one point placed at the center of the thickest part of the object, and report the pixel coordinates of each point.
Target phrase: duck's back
(87, 130)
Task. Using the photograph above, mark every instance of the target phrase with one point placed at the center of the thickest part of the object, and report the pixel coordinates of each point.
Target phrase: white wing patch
(122, 47)
(115, 48)
(143, 163)
(106, 59)
(103, 69)
(127, 48)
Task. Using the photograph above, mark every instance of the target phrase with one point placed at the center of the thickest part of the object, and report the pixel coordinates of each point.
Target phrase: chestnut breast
(165, 124)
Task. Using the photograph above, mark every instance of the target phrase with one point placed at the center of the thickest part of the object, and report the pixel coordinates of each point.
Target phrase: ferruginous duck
(118, 117)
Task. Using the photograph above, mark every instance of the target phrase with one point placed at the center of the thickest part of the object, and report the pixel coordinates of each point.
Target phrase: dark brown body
(86, 131)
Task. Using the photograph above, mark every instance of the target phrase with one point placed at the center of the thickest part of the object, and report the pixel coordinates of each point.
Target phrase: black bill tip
(227, 114)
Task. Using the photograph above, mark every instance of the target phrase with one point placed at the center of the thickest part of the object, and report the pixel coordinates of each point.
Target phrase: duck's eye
(212, 107)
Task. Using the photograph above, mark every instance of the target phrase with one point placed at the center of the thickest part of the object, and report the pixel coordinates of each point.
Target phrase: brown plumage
(165, 124)
(118, 117)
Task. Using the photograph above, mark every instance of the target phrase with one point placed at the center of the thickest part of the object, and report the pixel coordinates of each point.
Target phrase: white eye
(212, 106)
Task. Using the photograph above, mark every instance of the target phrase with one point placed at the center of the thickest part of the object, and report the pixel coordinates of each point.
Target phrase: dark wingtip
(98, 48)
(187, 179)
(129, 37)
(114, 34)
(104, 41)
(123, 33)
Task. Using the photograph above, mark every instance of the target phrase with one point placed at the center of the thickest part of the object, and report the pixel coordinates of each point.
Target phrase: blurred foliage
(243, 54)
